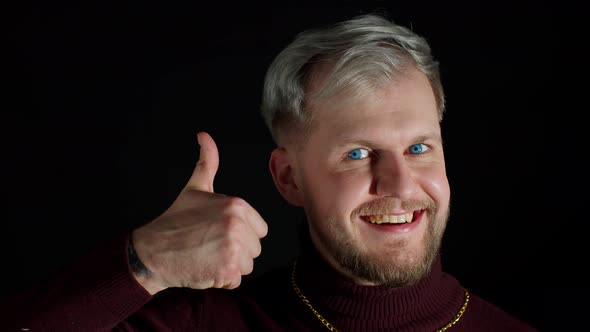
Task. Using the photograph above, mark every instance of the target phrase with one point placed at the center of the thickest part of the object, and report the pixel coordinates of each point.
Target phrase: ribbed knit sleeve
(95, 293)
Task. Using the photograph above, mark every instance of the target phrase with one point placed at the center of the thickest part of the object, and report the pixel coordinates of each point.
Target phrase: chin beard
(395, 268)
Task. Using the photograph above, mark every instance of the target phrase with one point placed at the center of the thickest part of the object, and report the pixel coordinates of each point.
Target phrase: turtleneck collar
(427, 305)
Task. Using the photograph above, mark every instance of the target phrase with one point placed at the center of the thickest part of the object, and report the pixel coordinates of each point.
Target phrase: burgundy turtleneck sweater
(99, 293)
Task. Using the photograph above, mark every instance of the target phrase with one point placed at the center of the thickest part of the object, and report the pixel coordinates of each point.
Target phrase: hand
(204, 240)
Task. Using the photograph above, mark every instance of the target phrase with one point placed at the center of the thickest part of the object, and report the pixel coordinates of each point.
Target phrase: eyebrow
(430, 137)
(361, 141)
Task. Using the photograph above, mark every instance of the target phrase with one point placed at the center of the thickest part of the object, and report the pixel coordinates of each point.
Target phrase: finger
(250, 243)
(233, 284)
(255, 221)
(256, 248)
(246, 266)
(204, 173)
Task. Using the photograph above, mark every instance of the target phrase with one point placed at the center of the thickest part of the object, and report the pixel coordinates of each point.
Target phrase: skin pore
(376, 155)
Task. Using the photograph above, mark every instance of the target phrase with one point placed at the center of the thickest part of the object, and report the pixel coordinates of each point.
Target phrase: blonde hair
(364, 52)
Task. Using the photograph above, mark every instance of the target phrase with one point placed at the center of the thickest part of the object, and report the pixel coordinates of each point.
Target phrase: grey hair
(364, 51)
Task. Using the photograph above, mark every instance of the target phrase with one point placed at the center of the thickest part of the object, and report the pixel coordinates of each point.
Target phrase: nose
(394, 177)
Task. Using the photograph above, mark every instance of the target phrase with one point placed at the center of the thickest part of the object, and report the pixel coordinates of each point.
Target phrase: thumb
(204, 173)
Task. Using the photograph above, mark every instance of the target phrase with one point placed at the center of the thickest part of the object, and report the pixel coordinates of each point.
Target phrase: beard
(396, 265)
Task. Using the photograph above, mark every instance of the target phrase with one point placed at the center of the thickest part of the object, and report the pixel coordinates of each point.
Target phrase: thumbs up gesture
(204, 239)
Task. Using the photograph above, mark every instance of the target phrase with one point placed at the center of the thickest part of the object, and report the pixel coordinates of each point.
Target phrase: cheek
(336, 194)
(436, 185)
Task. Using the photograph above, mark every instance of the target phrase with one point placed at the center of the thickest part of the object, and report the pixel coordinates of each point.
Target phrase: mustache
(387, 204)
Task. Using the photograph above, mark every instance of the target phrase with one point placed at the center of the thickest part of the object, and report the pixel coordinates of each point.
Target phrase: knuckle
(234, 283)
(232, 250)
(234, 225)
(233, 270)
(225, 276)
(235, 203)
(203, 163)
(218, 281)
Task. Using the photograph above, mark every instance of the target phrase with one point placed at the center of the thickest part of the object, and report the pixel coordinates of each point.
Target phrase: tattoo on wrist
(136, 264)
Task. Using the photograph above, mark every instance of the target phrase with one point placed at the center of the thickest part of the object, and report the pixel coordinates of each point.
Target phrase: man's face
(370, 166)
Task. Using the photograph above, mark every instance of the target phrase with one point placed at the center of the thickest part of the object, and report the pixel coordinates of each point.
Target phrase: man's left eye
(418, 148)
(359, 153)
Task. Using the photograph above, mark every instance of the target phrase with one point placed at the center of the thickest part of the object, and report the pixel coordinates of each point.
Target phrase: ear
(282, 170)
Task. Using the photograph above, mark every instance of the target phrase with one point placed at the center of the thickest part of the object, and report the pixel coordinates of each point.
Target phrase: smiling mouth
(392, 219)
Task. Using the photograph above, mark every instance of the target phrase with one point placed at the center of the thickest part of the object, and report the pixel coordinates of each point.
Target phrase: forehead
(406, 105)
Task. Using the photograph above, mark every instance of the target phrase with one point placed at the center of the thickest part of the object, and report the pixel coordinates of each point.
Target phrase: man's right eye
(359, 153)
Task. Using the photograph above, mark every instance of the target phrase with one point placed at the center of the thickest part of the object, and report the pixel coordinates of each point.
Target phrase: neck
(343, 301)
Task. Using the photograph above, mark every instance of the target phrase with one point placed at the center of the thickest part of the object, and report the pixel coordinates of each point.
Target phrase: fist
(204, 239)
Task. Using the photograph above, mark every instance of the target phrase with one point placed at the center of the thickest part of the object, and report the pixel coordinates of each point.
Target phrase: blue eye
(359, 153)
(418, 148)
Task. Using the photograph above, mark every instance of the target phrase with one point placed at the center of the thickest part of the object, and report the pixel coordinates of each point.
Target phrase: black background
(104, 99)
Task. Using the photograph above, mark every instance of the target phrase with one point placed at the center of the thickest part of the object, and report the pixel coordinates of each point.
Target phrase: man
(355, 111)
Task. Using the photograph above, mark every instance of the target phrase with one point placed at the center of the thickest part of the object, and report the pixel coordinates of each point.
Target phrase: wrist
(135, 263)
(140, 272)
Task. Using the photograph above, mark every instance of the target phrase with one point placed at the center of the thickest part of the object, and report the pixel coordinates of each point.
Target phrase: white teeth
(391, 219)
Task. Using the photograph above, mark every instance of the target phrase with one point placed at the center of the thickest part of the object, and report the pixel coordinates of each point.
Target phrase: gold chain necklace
(332, 328)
